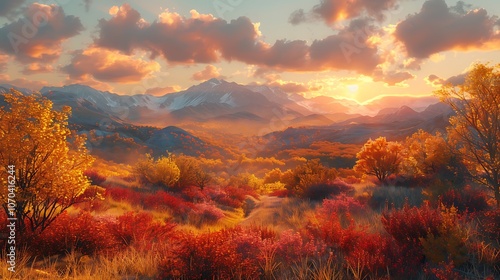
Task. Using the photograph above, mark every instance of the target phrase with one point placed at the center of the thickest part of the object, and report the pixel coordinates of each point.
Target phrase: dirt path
(265, 211)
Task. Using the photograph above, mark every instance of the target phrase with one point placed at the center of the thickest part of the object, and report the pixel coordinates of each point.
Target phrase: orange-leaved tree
(47, 160)
(476, 125)
(379, 157)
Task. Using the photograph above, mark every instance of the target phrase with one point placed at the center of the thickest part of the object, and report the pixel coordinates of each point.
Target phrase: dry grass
(129, 264)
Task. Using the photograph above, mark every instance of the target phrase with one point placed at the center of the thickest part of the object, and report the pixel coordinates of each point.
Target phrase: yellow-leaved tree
(379, 157)
(48, 161)
(476, 126)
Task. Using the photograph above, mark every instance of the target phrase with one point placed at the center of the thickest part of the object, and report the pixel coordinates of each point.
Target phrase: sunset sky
(357, 49)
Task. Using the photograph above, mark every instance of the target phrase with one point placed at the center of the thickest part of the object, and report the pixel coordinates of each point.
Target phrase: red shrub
(341, 204)
(490, 225)
(193, 194)
(208, 212)
(124, 194)
(140, 230)
(467, 199)
(226, 254)
(162, 200)
(81, 233)
(230, 196)
(95, 177)
(408, 226)
(291, 248)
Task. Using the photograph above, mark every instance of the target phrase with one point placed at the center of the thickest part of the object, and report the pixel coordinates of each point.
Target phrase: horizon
(355, 52)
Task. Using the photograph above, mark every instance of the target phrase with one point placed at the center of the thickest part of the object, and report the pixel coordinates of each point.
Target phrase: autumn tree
(162, 172)
(476, 125)
(379, 157)
(425, 154)
(47, 160)
(192, 173)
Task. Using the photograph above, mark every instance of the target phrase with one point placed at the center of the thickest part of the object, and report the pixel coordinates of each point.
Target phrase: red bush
(208, 212)
(81, 233)
(124, 194)
(162, 200)
(140, 230)
(217, 255)
(467, 199)
(341, 204)
(408, 226)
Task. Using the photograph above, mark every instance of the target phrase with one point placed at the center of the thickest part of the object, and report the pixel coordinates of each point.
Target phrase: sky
(355, 49)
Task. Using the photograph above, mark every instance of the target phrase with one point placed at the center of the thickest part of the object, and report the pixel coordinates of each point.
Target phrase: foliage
(308, 174)
(79, 233)
(49, 161)
(449, 243)
(191, 172)
(467, 199)
(161, 172)
(425, 154)
(408, 227)
(379, 157)
(476, 125)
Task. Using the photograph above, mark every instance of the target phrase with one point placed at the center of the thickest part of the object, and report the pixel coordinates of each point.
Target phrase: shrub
(207, 213)
(467, 199)
(408, 226)
(124, 194)
(341, 204)
(81, 233)
(140, 230)
(162, 200)
(322, 191)
(226, 254)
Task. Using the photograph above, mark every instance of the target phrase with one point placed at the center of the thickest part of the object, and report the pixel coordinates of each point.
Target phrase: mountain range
(232, 108)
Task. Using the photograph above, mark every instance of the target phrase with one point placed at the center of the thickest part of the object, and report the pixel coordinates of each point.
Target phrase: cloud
(332, 11)
(434, 80)
(37, 37)
(457, 79)
(438, 28)
(23, 82)
(35, 68)
(208, 73)
(8, 7)
(4, 59)
(108, 66)
(160, 91)
(206, 39)
(392, 78)
(350, 49)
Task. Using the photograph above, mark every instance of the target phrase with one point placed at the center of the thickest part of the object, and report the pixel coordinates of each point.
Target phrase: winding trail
(265, 211)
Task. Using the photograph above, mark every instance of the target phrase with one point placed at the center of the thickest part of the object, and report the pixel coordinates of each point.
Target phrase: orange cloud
(160, 91)
(206, 39)
(108, 66)
(208, 73)
(35, 68)
(38, 35)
